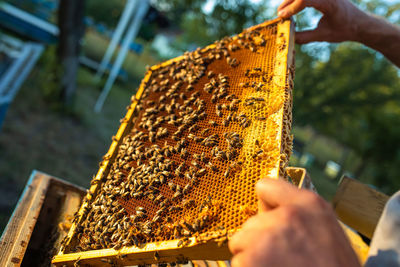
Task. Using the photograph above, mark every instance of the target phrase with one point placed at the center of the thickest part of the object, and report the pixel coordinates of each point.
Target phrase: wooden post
(70, 22)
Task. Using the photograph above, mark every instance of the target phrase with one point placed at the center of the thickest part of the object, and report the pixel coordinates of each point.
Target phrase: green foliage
(49, 77)
(230, 17)
(195, 32)
(354, 98)
(106, 12)
(109, 12)
(202, 27)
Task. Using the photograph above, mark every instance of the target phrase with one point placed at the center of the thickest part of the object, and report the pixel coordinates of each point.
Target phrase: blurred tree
(354, 98)
(352, 94)
(109, 12)
(224, 18)
(105, 12)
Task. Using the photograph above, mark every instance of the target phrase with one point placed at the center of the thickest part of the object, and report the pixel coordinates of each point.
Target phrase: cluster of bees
(189, 126)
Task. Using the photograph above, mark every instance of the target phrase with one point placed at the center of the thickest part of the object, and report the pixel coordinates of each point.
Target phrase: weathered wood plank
(358, 205)
(45, 202)
(17, 234)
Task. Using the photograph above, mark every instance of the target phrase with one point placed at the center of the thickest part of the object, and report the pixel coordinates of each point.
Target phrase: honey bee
(136, 194)
(109, 261)
(157, 218)
(178, 188)
(184, 153)
(172, 186)
(198, 139)
(188, 203)
(205, 131)
(117, 246)
(227, 172)
(188, 175)
(167, 152)
(221, 155)
(156, 256)
(193, 128)
(174, 208)
(159, 198)
(201, 172)
(164, 203)
(190, 136)
(233, 47)
(255, 155)
(180, 243)
(160, 211)
(195, 164)
(212, 123)
(212, 167)
(186, 189)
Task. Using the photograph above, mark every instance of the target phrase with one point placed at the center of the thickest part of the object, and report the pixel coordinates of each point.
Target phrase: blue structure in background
(137, 48)
(3, 112)
(27, 25)
(101, 28)
(18, 57)
(34, 25)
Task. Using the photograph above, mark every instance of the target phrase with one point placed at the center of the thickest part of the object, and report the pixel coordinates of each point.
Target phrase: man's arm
(292, 228)
(377, 33)
(343, 21)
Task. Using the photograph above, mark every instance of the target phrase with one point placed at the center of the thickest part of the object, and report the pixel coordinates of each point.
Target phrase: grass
(95, 45)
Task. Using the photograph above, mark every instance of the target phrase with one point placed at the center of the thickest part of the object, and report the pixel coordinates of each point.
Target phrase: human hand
(293, 228)
(338, 23)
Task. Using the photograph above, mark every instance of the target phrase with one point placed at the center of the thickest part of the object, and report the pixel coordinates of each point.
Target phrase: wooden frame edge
(151, 253)
(285, 45)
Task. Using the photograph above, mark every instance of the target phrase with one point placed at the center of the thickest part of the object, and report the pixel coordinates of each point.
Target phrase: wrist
(361, 21)
(362, 28)
(375, 32)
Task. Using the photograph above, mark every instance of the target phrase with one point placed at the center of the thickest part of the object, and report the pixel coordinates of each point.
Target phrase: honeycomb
(205, 127)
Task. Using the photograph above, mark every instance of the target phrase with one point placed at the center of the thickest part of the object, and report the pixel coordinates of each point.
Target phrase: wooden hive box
(179, 176)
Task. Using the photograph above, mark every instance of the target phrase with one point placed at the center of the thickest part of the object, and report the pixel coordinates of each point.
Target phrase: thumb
(273, 193)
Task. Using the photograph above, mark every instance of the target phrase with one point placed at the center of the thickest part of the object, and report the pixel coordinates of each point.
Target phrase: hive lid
(179, 176)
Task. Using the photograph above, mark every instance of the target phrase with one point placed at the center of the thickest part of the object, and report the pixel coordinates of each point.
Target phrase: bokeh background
(346, 96)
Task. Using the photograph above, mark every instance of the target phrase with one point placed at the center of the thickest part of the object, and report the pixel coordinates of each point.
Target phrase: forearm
(380, 35)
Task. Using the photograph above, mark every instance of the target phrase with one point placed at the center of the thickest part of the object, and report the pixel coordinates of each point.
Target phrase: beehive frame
(170, 251)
